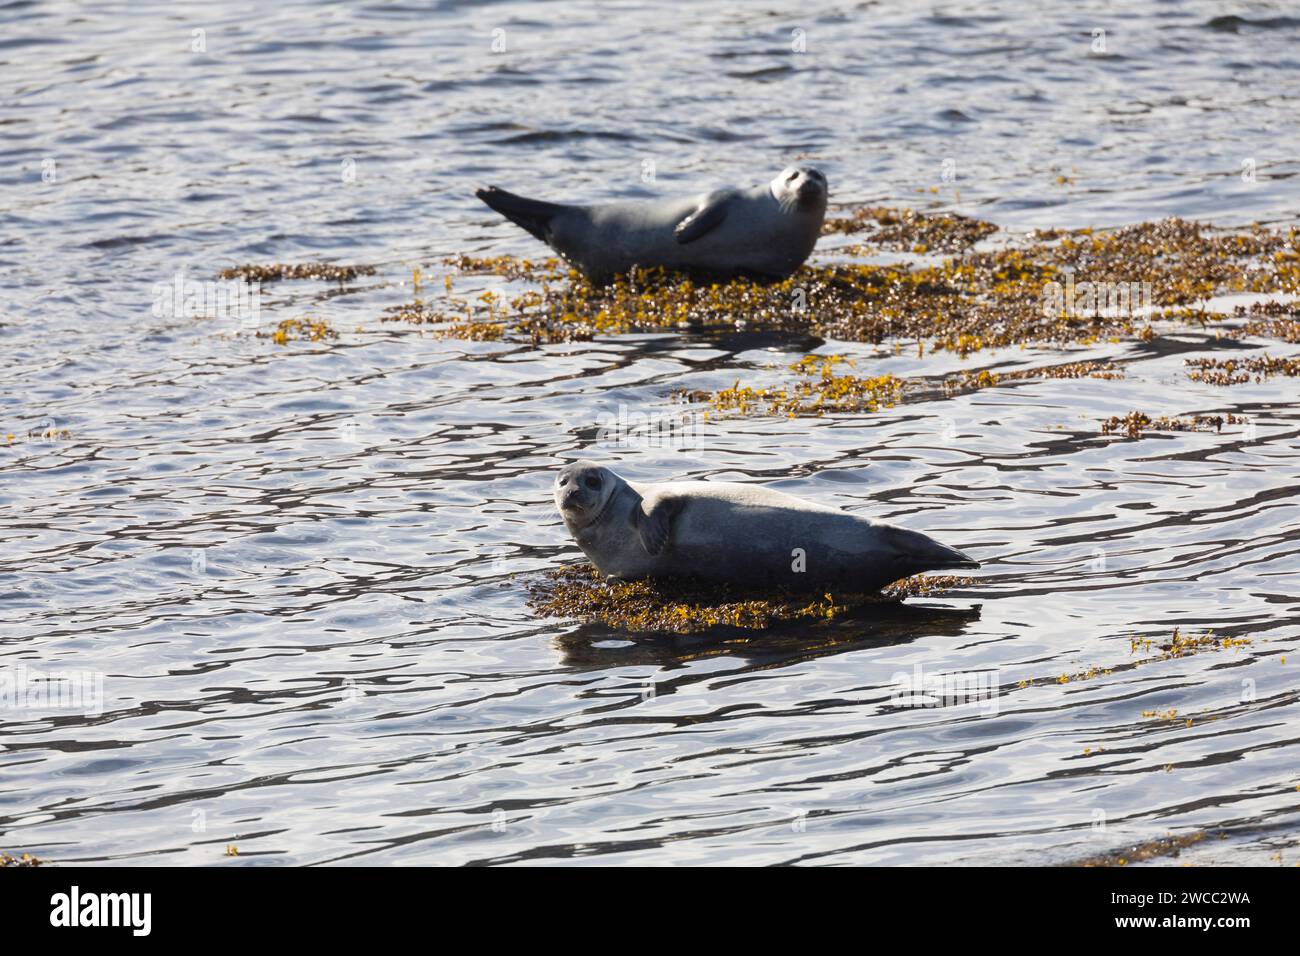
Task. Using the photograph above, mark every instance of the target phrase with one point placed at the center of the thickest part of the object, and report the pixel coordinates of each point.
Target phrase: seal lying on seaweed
(764, 233)
(733, 533)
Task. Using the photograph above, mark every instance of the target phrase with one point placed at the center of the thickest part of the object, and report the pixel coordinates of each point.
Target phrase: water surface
(301, 571)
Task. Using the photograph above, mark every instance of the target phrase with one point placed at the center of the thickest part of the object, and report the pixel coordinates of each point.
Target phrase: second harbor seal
(764, 233)
(742, 534)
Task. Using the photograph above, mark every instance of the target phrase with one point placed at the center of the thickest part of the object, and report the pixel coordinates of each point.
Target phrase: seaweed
(1143, 852)
(1238, 371)
(1135, 424)
(276, 271)
(1021, 294)
(1178, 645)
(820, 390)
(305, 329)
(579, 592)
(910, 230)
(8, 859)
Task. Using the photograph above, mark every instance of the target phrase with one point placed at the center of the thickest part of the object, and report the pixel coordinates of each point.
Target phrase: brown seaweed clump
(820, 390)
(1054, 289)
(1136, 423)
(1183, 645)
(306, 329)
(908, 230)
(1143, 852)
(986, 378)
(1106, 370)
(472, 330)
(1271, 319)
(275, 271)
(413, 313)
(42, 434)
(8, 859)
(548, 270)
(924, 585)
(1238, 371)
(579, 592)
(1284, 330)
(1178, 645)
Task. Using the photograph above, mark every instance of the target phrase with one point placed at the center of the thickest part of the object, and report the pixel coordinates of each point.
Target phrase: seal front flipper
(534, 215)
(654, 522)
(703, 220)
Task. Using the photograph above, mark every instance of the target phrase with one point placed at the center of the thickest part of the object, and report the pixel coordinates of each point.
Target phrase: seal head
(582, 490)
(801, 189)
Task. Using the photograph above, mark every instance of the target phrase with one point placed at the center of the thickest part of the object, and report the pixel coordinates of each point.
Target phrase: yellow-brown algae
(1182, 645)
(62, 434)
(986, 378)
(547, 270)
(1143, 852)
(579, 592)
(963, 303)
(922, 585)
(819, 390)
(1271, 319)
(1179, 645)
(275, 271)
(26, 859)
(1238, 371)
(306, 329)
(473, 331)
(1171, 714)
(1137, 423)
(415, 313)
(910, 230)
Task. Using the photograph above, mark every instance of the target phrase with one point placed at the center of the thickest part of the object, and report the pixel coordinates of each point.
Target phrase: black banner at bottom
(340, 904)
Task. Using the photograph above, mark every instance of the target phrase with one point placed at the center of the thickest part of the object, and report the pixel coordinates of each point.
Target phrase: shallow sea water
(300, 571)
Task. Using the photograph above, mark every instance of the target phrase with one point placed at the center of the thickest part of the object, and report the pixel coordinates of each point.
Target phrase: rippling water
(300, 571)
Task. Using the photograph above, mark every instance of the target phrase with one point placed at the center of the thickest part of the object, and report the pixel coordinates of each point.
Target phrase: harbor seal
(731, 533)
(764, 233)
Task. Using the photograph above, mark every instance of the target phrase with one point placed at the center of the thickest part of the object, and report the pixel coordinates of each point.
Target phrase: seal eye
(791, 176)
(592, 481)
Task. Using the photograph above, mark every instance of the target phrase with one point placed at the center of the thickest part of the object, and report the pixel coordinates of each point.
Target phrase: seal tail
(532, 215)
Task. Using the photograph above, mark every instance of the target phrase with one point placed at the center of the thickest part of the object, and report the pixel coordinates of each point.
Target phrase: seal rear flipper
(703, 220)
(919, 552)
(533, 215)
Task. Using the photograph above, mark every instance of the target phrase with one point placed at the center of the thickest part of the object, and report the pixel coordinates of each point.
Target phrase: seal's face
(801, 187)
(582, 490)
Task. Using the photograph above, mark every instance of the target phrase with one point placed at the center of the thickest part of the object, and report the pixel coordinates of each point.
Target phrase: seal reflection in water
(738, 534)
(763, 233)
